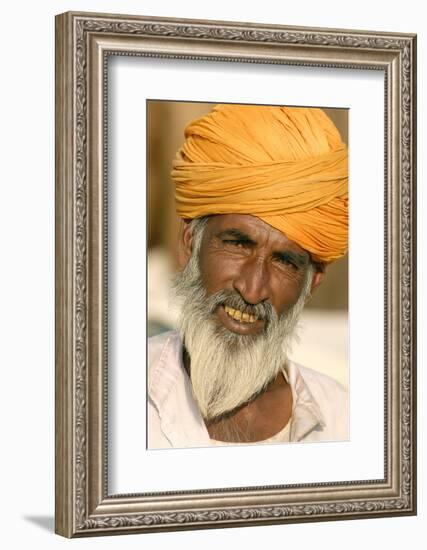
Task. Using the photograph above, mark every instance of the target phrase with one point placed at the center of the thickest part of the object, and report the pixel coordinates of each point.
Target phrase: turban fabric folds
(285, 165)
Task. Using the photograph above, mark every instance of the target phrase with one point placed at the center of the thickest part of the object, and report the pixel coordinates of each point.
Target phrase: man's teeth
(240, 316)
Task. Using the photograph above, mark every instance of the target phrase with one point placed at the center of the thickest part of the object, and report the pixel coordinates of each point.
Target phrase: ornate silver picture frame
(84, 45)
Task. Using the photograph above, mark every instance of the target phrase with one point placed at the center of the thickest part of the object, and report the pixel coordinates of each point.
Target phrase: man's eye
(288, 262)
(235, 242)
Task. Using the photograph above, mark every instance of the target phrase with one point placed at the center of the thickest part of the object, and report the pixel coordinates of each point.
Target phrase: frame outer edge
(413, 255)
(64, 277)
(247, 25)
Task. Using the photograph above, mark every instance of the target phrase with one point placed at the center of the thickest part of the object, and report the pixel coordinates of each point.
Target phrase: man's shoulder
(319, 377)
(322, 385)
(322, 393)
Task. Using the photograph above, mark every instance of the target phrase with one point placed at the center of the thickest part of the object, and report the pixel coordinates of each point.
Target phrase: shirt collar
(170, 390)
(306, 413)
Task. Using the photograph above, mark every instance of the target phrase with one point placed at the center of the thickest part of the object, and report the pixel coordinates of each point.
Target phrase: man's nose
(252, 282)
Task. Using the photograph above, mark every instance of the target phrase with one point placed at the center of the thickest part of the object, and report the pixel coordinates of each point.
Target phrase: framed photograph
(221, 189)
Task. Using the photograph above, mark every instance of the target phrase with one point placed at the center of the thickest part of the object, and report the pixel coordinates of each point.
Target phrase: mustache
(233, 299)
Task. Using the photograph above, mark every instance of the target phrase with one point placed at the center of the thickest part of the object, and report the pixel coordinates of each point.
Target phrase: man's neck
(261, 418)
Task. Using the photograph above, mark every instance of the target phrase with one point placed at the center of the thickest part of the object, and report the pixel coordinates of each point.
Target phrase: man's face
(241, 253)
(241, 290)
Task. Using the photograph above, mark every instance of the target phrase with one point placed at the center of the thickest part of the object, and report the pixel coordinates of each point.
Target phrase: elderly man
(263, 194)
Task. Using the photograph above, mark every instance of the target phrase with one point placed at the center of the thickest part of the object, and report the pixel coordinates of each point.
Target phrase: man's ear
(318, 276)
(185, 243)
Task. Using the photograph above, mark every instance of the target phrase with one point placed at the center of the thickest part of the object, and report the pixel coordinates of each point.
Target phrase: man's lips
(239, 321)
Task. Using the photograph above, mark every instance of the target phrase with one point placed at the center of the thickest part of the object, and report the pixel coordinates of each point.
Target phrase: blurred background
(323, 330)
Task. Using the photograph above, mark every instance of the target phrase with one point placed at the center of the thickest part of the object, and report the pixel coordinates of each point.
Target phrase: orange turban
(285, 165)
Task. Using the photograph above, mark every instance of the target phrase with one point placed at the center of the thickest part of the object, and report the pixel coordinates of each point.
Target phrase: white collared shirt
(319, 411)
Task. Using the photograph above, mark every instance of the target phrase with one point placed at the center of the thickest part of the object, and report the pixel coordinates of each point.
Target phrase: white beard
(228, 369)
